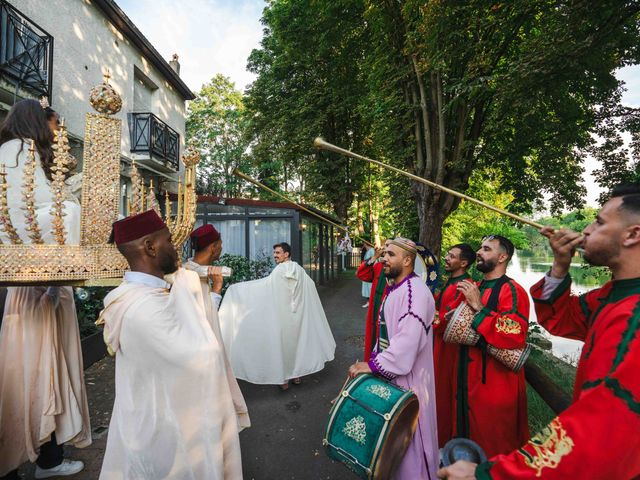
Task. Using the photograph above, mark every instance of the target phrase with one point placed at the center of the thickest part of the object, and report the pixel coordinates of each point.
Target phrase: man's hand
(471, 294)
(563, 242)
(378, 253)
(213, 273)
(358, 368)
(461, 470)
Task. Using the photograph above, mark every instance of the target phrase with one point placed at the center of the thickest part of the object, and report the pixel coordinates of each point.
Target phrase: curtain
(263, 234)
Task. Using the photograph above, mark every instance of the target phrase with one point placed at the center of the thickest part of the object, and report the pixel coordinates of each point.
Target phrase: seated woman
(44, 401)
(28, 121)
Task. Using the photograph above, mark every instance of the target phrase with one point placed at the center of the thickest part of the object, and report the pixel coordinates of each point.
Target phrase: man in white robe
(207, 243)
(173, 417)
(274, 328)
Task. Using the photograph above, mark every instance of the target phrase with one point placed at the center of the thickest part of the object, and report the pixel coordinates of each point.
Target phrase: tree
(216, 126)
(518, 86)
(309, 83)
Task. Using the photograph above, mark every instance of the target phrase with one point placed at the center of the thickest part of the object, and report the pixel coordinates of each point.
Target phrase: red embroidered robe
(372, 273)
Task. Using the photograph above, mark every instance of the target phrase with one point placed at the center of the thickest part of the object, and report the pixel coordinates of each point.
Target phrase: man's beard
(169, 264)
(600, 258)
(486, 266)
(393, 273)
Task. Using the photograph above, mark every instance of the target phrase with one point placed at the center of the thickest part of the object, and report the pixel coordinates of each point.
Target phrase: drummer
(404, 352)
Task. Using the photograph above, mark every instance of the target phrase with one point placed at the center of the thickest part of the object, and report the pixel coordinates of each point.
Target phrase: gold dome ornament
(104, 98)
(191, 157)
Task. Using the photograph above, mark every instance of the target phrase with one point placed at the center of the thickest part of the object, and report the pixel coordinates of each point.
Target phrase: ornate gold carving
(356, 429)
(100, 178)
(28, 194)
(93, 261)
(59, 171)
(507, 325)
(104, 99)
(550, 445)
(136, 200)
(5, 218)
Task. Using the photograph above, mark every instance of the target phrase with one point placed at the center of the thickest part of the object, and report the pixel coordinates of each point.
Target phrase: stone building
(60, 49)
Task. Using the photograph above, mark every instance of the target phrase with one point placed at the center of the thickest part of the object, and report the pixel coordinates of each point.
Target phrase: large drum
(370, 426)
(459, 330)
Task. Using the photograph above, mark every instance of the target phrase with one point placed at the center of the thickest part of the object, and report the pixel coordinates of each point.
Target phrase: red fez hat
(137, 226)
(203, 236)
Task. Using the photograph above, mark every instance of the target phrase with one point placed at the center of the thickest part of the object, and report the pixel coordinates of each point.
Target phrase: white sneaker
(67, 467)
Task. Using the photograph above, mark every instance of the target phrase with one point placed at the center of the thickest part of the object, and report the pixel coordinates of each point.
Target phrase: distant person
(207, 243)
(491, 400)
(173, 416)
(372, 270)
(368, 252)
(43, 399)
(457, 262)
(274, 328)
(404, 353)
(598, 436)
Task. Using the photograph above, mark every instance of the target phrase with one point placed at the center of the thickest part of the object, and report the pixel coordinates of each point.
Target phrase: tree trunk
(359, 215)
(431, 215)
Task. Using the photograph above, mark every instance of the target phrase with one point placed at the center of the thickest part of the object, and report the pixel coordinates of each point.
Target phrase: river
(527, 269)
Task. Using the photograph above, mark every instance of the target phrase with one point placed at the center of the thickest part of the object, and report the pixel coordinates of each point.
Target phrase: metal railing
(151, 135)
(26, 52)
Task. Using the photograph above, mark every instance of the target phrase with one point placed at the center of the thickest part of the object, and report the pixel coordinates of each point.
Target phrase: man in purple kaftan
(404, 354)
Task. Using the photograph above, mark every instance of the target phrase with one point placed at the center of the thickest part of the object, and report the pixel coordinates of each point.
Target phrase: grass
(561, 373)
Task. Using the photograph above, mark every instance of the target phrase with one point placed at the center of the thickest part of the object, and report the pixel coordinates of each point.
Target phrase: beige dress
(41, 373)
(41, 377)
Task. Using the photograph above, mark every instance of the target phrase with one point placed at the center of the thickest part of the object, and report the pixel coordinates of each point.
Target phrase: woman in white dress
(44, 401)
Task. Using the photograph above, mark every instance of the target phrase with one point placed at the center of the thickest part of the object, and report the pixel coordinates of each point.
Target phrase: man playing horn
(598, 436)
(404, 352)
(173, 417)
(491, 400)
(458, 260)
(207, 243)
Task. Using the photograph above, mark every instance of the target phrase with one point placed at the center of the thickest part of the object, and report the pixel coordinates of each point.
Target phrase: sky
(217, 36)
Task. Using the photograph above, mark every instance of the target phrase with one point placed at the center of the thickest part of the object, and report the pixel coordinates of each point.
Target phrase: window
(264, 233)
(233, 236)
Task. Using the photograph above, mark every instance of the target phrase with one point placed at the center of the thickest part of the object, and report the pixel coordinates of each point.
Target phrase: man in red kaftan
(598, 436)
(491, 400)
(445, 355)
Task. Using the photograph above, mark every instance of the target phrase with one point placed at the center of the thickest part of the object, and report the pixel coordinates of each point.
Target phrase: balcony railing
(26, 52)
(152, 136)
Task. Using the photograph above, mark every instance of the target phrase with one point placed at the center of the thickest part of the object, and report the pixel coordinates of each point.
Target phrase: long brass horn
(321, 144)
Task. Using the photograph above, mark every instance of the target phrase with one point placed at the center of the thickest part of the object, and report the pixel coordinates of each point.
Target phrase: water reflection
(527, 268)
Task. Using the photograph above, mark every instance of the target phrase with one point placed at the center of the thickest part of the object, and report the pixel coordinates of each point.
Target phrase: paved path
(285, 439)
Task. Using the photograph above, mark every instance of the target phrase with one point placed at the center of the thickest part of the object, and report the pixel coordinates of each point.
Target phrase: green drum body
(370, 426)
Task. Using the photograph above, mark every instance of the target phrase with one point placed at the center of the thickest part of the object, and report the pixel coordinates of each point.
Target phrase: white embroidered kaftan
(173, 417)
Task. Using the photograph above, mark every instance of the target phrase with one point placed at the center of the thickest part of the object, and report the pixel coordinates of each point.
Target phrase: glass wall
(232, 233)
(264, 233)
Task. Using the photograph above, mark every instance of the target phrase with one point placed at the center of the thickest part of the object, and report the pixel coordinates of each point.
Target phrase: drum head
(462, 449)
(400, 434)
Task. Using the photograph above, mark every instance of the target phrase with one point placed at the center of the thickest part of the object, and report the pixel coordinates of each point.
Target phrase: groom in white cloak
(274, 329)
(173, 416)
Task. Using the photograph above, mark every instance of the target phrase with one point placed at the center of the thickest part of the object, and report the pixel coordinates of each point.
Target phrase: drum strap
(492, 304)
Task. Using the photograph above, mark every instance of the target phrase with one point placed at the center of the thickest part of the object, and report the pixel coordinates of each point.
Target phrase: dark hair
(504, 242)
(630, 193)
(466, 253)
(28, 120)
(284, 246)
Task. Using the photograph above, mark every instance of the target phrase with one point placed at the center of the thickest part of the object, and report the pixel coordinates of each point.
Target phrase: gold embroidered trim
(506, 325)
(550, 445)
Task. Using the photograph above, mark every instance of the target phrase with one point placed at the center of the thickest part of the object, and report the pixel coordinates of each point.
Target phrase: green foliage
(88, 309)
(216, 126)
(244, 269)
(470, 222)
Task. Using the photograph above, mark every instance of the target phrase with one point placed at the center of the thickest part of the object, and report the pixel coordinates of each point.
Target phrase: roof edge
(115, 14)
